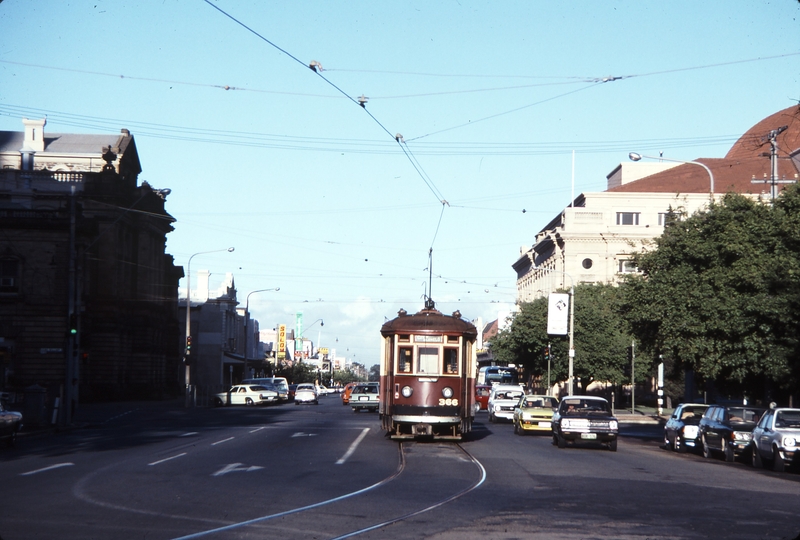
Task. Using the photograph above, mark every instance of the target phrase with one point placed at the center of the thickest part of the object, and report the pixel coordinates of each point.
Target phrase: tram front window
(428, 360)
(405, 360)
(450, 361)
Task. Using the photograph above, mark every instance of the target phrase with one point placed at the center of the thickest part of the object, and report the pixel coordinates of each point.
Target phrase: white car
(323, 390)
(246, 394)
(503, 399)
(305, 393)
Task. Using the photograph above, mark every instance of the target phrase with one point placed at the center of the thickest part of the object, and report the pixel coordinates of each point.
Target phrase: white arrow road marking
(234, 467)
(353, 446)
(50, 468)
(301, 434)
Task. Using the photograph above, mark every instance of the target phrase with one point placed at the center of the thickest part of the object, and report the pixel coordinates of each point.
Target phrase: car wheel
(562, 442)
(706, 448)
(727, 451)
(613, 445)
(777, 461)
(516, 428)
(755, 458)
(248, 401)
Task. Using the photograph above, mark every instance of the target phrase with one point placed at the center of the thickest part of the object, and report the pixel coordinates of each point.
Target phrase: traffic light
(547, 352)
(73, 324)
(188, 345)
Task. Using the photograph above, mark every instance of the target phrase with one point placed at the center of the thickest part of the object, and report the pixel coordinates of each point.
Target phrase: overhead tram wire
(319, 74)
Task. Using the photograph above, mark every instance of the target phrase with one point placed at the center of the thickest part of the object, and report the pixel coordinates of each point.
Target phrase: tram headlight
(407, 391)
(447, 392)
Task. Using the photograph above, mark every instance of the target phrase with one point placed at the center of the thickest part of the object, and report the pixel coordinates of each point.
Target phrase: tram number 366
(449, 401)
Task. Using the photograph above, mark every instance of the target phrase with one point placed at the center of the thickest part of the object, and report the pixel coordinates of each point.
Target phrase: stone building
(592, 240)
(88, 295)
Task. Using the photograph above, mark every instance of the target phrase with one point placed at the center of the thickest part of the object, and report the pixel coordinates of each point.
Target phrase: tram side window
(405, 360)
(450, 361)
(428, 360)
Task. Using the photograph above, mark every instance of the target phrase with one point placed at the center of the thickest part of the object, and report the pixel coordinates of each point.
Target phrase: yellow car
(533, 414)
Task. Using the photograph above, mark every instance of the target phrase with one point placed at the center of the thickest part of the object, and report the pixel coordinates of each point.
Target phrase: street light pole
(633, 156)
(187, 367)
(246, 320)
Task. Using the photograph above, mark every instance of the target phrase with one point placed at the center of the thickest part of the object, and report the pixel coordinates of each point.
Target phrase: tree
(375, 373)
(719, 294)
(601, 338)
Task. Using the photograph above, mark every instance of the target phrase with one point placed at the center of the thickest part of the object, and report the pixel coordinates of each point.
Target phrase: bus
(489, 375)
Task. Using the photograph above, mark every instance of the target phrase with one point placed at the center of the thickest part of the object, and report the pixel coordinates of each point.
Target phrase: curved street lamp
(633, 156)
(187, 372)
(246, 320)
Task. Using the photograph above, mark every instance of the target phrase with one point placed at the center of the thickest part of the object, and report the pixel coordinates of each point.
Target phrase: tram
(428, 366)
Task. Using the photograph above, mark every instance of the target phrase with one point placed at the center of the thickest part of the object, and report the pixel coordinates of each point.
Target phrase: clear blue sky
(316, 195)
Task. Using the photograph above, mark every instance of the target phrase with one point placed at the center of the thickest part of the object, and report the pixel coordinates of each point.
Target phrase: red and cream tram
(428, 366)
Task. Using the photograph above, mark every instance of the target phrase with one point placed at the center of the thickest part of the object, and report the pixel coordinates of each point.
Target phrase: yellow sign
(323, 350)
(281, 340)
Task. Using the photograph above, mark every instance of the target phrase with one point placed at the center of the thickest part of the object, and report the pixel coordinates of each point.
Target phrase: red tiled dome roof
(748, 158)
(754, 142)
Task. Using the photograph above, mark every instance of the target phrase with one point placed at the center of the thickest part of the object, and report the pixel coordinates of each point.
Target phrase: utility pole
(633, 378)
(772, 137)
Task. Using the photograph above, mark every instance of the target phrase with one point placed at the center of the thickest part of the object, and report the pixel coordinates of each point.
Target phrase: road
(148, 470)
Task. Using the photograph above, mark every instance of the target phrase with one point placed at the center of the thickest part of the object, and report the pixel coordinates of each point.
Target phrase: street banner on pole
(558, 314)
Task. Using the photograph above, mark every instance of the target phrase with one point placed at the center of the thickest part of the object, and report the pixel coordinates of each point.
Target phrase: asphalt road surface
(160, 471)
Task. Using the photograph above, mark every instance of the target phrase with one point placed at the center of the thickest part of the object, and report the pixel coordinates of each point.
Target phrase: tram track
(307, 510)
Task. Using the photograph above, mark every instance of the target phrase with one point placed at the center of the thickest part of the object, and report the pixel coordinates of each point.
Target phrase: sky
(481, 121)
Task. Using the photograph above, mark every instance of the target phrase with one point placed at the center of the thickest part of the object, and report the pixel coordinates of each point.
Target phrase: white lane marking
(222, 441)
(262, 519)
(166, 459)
(234, 467)
(50, 468)
(189, 434)
(353, 446)
(301, 434)
(258, 429)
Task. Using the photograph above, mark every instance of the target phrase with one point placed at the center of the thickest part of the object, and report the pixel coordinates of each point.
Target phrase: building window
(9, 276)
(665, 219)
(627, 218)
(627, 267)
(587, 263)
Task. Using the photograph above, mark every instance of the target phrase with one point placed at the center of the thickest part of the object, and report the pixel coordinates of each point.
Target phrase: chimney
(33, 142)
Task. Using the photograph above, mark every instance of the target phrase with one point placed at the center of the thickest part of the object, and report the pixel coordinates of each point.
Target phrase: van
(279, 384)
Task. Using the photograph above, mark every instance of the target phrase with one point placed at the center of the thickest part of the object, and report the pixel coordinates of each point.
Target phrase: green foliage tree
(601, 339)
(375, 373)
(719, 294)
(297, 373)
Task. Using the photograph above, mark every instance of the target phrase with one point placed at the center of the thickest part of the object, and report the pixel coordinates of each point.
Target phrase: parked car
(10, 424)
(776, 439)
(306, 393)
(534, 413)
(585, 419)
(348, 389)
(482, 392)
(365, 396)
(681, 432)
(246, 394)
(502, 400)
(323, 390)
(277, 383)
(728, 429)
